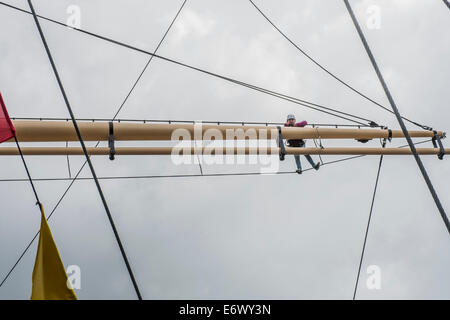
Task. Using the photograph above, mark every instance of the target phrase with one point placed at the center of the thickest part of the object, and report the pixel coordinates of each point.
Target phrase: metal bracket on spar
(437, 138)
(281, 144)
(112, 149)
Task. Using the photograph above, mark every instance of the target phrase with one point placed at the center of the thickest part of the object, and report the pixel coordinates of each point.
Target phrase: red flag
(7, 130)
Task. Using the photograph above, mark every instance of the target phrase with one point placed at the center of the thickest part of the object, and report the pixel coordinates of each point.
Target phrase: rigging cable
(141, 177)
(329, 72)
(116, 234)
(28, 172)
(150, 59)
(190, 175)
(307, 104)
(84, 164)
(152, 177)
(368, 222)
(400, 120)
(38, 202)
(68, 162)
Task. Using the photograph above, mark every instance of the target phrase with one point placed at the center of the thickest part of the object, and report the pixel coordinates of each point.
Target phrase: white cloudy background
(268, 237)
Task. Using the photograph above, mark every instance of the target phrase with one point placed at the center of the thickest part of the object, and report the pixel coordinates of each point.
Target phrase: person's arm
(301, 124)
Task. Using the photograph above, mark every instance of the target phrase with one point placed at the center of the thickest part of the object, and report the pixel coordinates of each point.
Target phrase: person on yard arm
(299, 143)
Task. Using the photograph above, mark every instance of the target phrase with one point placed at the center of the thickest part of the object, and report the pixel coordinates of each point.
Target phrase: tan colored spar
(47, 131)
(219, 150)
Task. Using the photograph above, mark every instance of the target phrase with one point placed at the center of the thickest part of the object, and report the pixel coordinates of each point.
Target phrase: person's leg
(297, 161)
(310, 160)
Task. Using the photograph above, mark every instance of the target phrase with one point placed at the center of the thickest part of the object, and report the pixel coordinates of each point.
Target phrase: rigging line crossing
(148, 177)
(77, 174)
(399, 119)
(298, 101)
(69, 108)
(150, 59)
(329, 72)
(139, 77)
(368, 223)
(183, 175)
(48, 218)
(38, 202)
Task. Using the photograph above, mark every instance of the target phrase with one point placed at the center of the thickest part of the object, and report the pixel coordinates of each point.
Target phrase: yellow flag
(49, 275)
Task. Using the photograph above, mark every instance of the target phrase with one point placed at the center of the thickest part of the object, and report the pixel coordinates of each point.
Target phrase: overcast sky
(257, 237)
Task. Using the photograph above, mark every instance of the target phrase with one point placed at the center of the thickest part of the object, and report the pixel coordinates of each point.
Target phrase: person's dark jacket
(296, 142)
